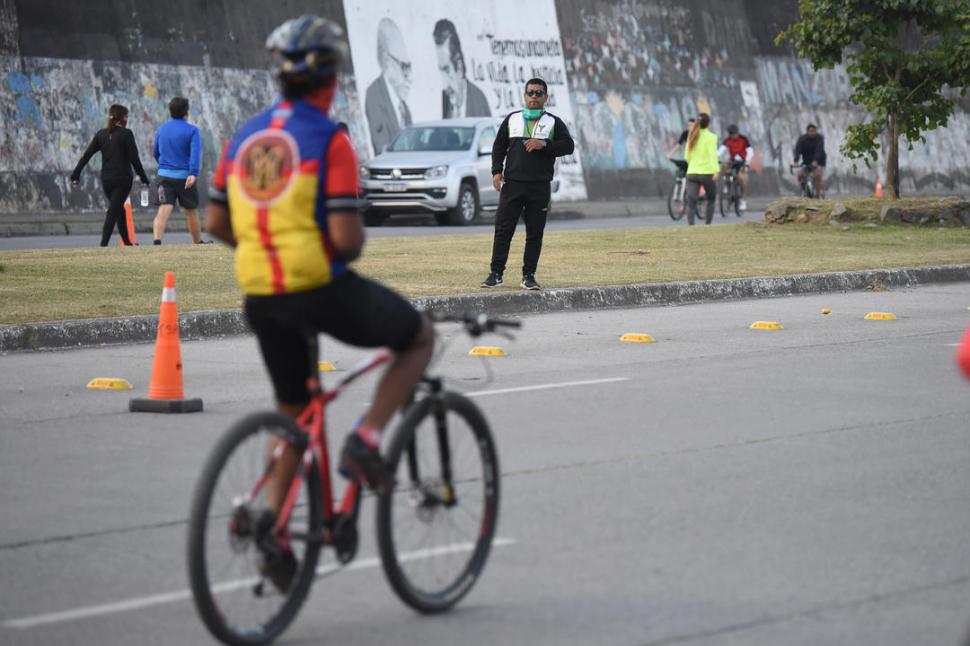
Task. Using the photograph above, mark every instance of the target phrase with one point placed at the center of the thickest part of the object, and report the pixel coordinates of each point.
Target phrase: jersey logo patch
(266, 164)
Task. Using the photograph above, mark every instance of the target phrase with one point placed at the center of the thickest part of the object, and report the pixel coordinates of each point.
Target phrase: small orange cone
(165, 392)
(963, 354)
(878, 192)
(130, 223)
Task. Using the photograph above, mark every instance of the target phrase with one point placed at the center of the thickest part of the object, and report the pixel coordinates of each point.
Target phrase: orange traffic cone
(165, 392)
(878, 192)
(130, 223)
(963, 354)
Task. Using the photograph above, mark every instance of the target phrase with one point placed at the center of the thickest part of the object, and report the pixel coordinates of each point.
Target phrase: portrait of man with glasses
(386, 102)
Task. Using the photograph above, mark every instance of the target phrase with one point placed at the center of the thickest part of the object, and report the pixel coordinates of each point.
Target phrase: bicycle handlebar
(474, 324)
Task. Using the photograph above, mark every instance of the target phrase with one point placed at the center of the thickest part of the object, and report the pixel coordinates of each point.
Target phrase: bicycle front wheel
(229, 525)
(435, 528)
(724, 196)
(675, 201)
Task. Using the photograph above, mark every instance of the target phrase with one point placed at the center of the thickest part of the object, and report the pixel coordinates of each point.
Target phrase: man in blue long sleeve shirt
(178, 151)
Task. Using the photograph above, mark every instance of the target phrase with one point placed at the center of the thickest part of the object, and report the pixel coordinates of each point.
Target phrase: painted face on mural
(538, 97)
(394, 60)
(452, 75)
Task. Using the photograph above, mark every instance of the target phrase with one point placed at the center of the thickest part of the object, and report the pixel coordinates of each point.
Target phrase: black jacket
(523, 166)
(810, 150)
(118, 154)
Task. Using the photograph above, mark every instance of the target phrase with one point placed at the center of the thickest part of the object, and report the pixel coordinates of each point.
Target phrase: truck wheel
(466, 211)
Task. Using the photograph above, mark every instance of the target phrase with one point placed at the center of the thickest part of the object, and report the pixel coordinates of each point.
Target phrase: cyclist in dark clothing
(681, 148)
(810, 154)
(119, 154)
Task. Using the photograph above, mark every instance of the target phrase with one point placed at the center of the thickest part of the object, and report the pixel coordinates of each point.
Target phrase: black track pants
(116, 190)
(529, 200)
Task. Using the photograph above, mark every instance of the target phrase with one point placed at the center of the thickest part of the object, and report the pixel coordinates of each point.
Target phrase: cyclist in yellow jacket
(702, 166)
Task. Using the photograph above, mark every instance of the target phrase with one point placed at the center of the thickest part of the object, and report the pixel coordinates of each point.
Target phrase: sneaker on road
(529, 282)
(493, 280)
(743, 206)
(357, 460)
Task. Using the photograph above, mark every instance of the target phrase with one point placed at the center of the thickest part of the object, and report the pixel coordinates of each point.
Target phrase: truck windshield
(417, 138)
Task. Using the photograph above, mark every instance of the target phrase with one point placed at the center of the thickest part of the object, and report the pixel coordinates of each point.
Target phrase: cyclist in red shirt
(736, 150)
(285, 196)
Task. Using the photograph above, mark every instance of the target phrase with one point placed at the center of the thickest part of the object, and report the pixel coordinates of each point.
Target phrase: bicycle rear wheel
(435, 528)
(676, 204)
(234, 600)
(724, 196)
(736, 196)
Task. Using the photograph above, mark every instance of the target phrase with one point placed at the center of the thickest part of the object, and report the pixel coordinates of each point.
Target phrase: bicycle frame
(313, 421)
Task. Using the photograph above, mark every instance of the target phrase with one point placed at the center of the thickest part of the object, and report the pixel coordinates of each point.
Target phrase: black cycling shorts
(171, 189)
(354, 310)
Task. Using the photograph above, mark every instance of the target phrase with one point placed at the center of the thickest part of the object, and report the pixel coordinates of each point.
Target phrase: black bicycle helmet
(306, 51)
(732, 129)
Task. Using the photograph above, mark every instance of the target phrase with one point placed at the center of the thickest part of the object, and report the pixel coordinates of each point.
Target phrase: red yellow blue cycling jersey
(280, 174)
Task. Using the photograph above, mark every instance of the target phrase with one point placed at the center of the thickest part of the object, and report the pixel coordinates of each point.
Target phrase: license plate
(395, 188)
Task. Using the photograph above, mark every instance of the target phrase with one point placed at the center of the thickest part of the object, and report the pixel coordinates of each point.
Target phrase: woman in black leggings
(118, 154)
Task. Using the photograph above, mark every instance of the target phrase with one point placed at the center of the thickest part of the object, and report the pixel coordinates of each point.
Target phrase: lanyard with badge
(529, 125)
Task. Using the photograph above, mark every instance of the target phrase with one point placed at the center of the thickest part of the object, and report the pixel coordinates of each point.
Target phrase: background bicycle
(729, 198)
(677, 197)
(434, 526)
(806, 183)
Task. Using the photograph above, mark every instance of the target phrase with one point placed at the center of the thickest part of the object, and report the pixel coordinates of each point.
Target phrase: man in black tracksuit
(528, 142)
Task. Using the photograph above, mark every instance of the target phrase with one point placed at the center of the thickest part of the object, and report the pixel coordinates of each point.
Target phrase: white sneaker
(743, 206)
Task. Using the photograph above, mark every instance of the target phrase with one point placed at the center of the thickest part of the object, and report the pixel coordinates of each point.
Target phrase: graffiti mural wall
(67, 63)
(625, 75)
(638, 69)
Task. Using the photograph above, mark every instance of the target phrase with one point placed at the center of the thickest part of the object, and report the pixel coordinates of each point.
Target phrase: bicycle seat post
(313, 357)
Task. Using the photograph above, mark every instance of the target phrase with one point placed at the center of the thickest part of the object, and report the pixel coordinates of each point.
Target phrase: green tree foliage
(907, 62)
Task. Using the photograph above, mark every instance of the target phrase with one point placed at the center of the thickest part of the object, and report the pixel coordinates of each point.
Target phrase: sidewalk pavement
(195, 325)
(90, 222)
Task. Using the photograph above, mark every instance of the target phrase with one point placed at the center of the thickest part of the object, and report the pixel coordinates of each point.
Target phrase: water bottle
(144, 196)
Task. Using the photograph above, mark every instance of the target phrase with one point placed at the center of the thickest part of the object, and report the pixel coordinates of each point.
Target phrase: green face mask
(530, 114)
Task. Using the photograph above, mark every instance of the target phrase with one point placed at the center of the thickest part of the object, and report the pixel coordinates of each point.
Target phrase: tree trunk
(892, 157)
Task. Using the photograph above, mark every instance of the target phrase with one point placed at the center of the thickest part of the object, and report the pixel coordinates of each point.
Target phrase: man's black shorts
(351, 309)
(170, 189)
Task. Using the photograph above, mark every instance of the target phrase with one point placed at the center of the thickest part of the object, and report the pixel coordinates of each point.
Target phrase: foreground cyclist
(285, 196)
(737, 150)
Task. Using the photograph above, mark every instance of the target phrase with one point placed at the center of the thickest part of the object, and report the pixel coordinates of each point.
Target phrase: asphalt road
(723, 486)
(398, 226)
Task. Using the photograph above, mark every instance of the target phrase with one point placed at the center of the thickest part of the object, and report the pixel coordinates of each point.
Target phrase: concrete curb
(208, 324)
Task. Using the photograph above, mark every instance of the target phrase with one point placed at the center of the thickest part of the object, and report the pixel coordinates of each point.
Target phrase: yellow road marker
(634, 337)
(325, 366)
(766, 325)
(487, 351)
(826, 310)
(109, 383)
(880, 316)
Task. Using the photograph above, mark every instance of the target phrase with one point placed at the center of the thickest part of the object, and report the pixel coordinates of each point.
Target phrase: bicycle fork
(428, 495)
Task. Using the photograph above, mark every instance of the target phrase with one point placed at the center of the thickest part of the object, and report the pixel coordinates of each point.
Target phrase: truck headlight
(435, 172)
(364, 172)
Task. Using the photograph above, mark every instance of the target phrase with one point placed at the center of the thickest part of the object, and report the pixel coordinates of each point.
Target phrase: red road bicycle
(434, 527)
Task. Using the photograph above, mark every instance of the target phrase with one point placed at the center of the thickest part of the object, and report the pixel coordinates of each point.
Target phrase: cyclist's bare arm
(218, 223)
(346, 233)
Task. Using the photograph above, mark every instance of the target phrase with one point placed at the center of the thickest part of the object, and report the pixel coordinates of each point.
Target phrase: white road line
(952, 345)
(523, 389)
(565, 384)
(228, 586)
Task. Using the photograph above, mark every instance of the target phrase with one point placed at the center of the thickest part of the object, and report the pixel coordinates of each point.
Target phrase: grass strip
(59, 284)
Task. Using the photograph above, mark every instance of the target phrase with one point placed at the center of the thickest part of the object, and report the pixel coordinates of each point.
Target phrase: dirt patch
(936, 211)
